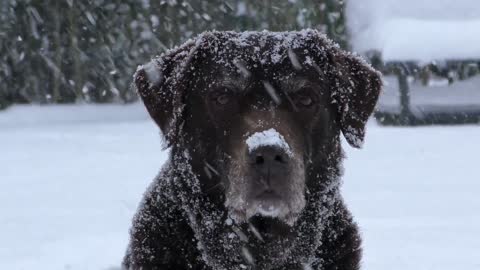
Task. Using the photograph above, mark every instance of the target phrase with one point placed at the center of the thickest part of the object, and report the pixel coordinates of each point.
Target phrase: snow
(424, 30)
(71, 178)
(222, 44)
(294, 59)
(414, 193)
(269, 137)
(152, 72)
(272, 92)
(31, 116)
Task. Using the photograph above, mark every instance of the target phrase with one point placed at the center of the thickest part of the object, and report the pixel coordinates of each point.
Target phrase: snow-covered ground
(71, 178)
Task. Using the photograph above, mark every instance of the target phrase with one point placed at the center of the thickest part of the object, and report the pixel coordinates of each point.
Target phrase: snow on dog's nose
(269, 137)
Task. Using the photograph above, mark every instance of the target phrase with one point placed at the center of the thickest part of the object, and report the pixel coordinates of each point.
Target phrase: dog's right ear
(159, 84)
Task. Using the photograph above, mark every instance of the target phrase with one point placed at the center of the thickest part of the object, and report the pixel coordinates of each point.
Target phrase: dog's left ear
(161, 85)
(356, 87)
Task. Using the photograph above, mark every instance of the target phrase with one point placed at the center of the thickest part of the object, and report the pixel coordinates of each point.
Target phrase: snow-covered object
(176, 198)
(269, 137)
(425, 41)
(413, 30)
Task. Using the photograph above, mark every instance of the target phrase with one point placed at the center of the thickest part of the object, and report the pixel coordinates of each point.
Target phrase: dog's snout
(270, 171)
(268, 158)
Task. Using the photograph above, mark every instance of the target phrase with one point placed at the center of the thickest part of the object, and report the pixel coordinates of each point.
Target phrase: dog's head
(258, 112)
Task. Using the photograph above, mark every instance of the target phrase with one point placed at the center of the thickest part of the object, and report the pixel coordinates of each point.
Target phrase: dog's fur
(204, 210)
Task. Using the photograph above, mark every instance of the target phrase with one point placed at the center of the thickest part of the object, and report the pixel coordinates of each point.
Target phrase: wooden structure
(428, 113)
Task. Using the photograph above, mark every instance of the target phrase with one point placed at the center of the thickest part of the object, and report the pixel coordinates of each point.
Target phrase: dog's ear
(356, 87)
(160, 85)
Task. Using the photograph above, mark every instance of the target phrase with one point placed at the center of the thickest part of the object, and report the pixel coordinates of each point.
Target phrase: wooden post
(405, 112)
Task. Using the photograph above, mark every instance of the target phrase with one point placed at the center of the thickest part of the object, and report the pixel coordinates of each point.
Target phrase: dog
(253, 122)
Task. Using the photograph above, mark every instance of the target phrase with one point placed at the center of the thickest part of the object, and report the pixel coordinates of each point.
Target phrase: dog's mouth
(266, 180)
(277, 201)
(269, 204)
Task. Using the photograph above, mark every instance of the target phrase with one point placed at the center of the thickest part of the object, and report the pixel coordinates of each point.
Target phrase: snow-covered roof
(416, 30)
(407, 39)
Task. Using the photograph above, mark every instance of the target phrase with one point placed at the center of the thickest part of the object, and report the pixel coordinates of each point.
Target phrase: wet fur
(182, 222)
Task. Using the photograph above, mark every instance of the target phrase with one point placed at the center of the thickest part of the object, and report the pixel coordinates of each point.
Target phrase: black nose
(269, 159)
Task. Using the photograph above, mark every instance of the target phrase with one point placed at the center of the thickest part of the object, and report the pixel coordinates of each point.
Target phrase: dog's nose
(269, 159)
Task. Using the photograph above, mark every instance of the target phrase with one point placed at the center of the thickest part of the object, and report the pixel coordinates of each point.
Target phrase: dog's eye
(222, 96)
(305, 100)
(223, 99)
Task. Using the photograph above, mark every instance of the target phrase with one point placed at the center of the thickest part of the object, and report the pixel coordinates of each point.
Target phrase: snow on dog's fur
(253, 120)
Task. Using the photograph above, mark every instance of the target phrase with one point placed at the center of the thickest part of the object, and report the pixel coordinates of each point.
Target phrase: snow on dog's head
(293, 94)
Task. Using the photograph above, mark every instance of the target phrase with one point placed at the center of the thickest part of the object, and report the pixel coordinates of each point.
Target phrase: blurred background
(86, 51)
(69, 51)
(77, 149)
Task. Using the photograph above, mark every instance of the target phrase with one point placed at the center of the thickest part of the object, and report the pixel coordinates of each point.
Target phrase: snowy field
(71, 178)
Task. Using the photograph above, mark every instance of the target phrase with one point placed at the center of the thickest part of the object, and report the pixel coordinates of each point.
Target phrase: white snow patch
(268, 137)
(72, 207)
(153, 72)
(72, 177)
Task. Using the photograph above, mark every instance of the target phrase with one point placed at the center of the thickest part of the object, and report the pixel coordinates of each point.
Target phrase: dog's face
(265, 128)
(260, 114)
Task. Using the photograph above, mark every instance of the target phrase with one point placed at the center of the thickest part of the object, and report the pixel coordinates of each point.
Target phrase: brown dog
(253, 120)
